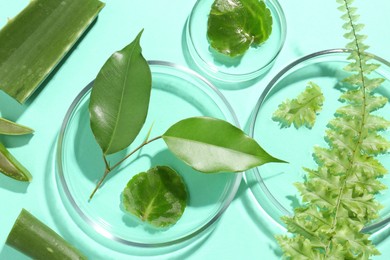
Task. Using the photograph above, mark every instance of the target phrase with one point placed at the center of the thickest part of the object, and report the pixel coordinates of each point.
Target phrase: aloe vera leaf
(10, 128)
(120, 98)
(36, 240)
(33, 43)
(11, 167)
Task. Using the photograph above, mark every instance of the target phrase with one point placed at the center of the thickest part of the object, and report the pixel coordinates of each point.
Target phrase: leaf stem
(109, 169)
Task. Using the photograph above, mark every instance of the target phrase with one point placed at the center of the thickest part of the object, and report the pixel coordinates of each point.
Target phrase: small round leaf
(158, 196)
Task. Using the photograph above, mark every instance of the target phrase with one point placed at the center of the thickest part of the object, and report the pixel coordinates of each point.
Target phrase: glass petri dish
(255, 61)
(177, 93)
(272, 184)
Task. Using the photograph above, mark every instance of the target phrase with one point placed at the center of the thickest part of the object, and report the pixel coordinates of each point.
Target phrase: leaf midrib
(199, 142)
(121, 102)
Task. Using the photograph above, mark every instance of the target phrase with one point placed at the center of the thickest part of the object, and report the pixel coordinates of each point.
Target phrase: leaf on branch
(212, 145)
(120, 98)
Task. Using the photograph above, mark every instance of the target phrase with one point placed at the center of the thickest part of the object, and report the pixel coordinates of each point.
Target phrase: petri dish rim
(102, 230)
(375, 227)
(221, 76)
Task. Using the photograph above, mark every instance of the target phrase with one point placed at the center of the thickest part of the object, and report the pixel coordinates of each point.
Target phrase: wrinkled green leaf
(35, 41)
(10, 128)
(213, 145)
(234, 25)
(301, 111)
(11, 167)
(157, 196)
(120, 98)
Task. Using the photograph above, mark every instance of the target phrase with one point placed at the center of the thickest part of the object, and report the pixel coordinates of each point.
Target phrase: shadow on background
(257, 217)
(13, 185)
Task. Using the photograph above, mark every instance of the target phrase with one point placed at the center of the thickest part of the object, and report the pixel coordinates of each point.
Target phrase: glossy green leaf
(10, 128)
(120, 98)
(35, 41)
(157, 196)
(234, 25)
(11, 167)
(212, 145)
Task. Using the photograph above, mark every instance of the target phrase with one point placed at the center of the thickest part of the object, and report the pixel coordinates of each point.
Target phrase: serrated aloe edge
(339, 196)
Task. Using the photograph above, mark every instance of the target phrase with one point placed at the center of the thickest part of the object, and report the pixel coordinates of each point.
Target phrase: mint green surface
(244, 231)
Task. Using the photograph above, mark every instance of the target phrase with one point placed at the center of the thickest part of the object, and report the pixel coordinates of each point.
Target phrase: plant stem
(109, 169)
(362, 123)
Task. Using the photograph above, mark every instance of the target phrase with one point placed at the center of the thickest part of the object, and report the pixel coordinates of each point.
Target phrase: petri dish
(220, 68)
(177, 93)
(272, 184)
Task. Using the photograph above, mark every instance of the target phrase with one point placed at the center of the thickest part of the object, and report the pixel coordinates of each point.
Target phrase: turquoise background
(243, 232)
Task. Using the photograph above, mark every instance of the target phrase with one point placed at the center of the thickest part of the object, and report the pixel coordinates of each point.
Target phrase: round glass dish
(272, 184)
(251, 65)
(177, 93)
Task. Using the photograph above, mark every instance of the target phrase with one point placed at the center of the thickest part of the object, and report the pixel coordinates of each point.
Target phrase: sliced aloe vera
(11, 167)
(33, 43)
(10, 128)
(33, 238)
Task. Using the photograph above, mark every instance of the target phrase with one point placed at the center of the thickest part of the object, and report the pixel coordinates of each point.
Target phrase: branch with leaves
(118, 109)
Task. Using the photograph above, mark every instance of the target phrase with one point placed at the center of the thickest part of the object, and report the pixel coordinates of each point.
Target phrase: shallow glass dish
(255, 61)
(177, 93)
(272, 184)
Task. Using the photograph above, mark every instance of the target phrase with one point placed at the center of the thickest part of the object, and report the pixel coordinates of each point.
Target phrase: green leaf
(120, 98)
(212, 145)
(10, 128)
(157, 196)
(11, 167)
(234, 25)
(36, 240)
(36, 40)
(301, 111)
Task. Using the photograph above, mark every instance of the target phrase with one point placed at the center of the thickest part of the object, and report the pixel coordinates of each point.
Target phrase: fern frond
(339, 196)
(334, 160)
(301, 111)
(343, 142)
(368, 166)
(350, 111)
(375, 144)
(376, 123)
(298, 248)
